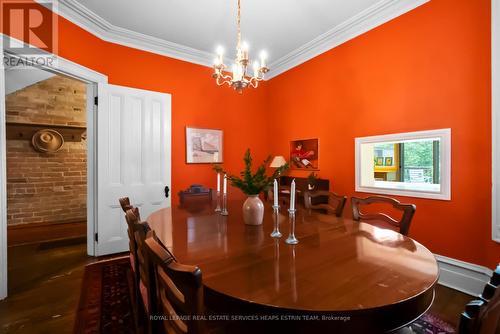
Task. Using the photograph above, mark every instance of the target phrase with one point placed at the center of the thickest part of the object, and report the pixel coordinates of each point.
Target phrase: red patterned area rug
(431, 324)
(105, 301)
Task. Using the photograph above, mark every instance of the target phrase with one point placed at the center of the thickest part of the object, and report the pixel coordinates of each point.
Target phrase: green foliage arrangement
(253, 184)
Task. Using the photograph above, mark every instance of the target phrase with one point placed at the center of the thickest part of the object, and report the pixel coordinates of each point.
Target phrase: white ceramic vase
(253, 210)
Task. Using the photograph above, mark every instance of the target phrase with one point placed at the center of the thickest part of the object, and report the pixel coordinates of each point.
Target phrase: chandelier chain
(239, 23)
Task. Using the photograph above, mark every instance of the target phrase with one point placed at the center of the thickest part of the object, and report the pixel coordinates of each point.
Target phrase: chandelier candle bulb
(292, 195)
(218, 182)
(263, 57)
(225, 184)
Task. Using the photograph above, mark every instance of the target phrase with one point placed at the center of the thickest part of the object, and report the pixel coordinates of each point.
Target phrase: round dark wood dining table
(343, 276)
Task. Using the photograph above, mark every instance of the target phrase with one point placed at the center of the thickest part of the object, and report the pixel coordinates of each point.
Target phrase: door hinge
(96, 237)
(96, 100)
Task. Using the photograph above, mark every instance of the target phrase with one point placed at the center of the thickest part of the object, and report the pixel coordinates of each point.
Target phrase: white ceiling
(279, 26)
(291, 31)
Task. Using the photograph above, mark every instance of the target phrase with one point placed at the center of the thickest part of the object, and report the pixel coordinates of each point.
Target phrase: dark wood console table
(195, 191)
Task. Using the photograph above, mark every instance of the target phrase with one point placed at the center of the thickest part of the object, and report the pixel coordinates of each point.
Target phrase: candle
(220, 52)
(292, 196)
(275, 192)
(218, 182)
(225, 184)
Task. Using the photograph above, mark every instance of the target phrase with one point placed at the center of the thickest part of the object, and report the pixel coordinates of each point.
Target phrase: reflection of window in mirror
(411, 164)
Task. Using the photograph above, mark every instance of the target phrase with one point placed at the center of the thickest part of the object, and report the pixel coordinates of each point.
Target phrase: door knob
(167, 190)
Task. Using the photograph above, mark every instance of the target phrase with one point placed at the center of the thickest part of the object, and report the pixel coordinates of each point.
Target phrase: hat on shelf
(47, 141)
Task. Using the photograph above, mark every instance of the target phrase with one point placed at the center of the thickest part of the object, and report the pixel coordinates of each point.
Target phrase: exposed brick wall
(47, 187)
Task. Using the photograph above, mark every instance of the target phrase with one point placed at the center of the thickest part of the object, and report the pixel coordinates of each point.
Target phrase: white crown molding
(372, 17)
(462, 276)
(381, 12)
(93, 23)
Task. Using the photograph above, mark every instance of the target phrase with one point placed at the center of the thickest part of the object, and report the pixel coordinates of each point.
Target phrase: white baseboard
(462, 276)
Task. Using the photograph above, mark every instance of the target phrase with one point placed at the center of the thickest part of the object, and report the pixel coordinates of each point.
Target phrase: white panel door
(133, 159)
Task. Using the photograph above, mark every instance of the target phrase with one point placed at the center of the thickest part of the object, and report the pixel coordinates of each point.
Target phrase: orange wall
(196, 100)
(427, 69)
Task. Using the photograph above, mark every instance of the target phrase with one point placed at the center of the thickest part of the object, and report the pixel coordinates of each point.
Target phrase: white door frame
(495, 118)
(91, 78)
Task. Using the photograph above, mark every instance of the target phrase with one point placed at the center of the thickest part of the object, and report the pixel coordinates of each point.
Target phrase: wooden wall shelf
(20, 131)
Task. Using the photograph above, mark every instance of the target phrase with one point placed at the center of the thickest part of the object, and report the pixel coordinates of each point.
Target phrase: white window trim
(445, 155)
(495, 117)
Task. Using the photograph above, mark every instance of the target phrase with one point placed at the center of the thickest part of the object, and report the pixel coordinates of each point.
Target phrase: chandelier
(239, 79)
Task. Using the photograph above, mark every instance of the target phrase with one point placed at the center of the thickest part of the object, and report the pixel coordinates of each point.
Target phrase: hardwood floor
(44, 287)
(449, 304)
(45, 281)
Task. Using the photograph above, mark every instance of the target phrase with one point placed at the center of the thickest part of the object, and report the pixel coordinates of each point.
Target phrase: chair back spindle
(334, 203)
(125, 203)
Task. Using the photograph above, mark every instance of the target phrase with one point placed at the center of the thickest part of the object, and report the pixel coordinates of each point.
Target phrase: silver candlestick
(218, 209)
(276, 232)
(291, 240)
(224, 205)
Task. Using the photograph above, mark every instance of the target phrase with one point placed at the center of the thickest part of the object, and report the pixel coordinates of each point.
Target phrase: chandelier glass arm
(222, 79)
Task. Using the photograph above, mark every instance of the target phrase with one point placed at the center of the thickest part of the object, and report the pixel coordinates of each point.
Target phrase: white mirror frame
(444, 136)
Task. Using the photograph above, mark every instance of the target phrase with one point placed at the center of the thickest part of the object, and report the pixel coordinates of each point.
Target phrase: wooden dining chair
(125, 203)
(134, 225)
(137, 233)
(326, 201)
(179, 292)
(403, 225)
(482, 316)
(131, 227)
